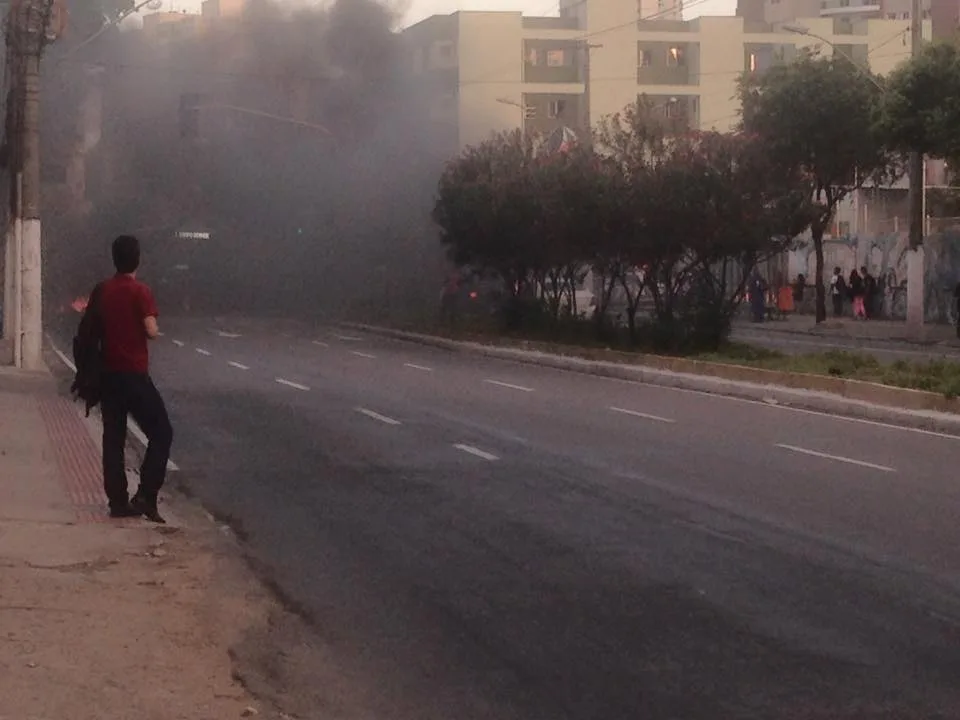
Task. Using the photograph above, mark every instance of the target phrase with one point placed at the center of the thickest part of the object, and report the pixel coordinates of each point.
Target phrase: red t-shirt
(124, 304)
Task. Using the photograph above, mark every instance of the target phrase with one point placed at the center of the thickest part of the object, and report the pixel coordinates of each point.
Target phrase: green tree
(921, 108)
(712, 209)
(816, 116)
(488, 214)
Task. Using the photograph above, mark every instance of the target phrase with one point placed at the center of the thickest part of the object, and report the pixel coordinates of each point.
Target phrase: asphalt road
(473, 538)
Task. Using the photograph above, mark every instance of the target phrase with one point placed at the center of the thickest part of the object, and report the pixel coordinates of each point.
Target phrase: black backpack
(88, 354)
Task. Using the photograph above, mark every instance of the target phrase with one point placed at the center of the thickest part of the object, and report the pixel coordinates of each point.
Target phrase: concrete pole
(915, 263)
(31, 278)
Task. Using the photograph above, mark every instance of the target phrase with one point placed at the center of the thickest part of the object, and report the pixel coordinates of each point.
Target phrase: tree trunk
(817, 233)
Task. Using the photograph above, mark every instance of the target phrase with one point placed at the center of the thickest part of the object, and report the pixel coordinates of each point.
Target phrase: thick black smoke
(326, 215)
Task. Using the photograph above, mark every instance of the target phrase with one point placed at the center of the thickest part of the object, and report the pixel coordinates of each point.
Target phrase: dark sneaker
(147, 509)
(124, 511)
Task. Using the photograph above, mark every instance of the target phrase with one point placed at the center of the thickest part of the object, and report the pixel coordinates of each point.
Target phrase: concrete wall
(885, 257)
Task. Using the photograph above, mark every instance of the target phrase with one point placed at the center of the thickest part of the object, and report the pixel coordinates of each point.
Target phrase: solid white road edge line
(363, 354)
(838, 458)
(418, 367)
(782, 407)
(477, 452)
(237, 365)
(509, 385)
(377, 416)
(132, 426)
(179, 343)
(289, 383)
(201, 351)
(645, 416)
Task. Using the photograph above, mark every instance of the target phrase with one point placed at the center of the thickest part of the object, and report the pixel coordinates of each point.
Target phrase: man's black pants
(133, 394)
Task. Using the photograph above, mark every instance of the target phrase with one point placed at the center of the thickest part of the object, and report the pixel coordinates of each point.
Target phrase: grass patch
(936, 376)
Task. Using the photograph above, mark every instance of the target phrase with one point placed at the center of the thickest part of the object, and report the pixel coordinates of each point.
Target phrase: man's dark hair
(126, 254)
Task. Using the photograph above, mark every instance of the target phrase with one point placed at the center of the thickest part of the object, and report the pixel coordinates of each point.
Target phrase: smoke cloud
(322, 214)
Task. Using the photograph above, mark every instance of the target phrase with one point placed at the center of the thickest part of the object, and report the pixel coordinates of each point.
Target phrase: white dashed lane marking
(837, 458)
(321, 344)
(238, 366)
(363, 354)
(511, 386)
(348, 338)
(378, 416)
(178, 343)
(229, 335)
(645, 416)
(201, 351)
(290, 383)
(424, 368)
(476, 452)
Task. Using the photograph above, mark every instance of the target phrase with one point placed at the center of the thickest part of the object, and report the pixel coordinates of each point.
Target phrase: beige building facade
(495, 71)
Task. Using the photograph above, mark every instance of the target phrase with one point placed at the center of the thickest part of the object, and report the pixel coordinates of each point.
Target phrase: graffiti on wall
(885, 256)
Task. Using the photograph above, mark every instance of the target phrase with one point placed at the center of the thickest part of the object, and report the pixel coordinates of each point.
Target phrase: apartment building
(492, 71)
(943, 14)
(496, 71)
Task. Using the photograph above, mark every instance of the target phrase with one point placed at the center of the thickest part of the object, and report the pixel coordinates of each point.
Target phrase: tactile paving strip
(77, 456)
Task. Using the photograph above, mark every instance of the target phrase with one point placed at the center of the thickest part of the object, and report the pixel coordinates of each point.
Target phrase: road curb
(853, 398)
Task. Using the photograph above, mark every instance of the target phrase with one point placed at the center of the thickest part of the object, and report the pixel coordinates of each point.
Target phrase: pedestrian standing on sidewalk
(857, 294)
(128, 313)
(956, 300)
(838, 290)
(869, 292)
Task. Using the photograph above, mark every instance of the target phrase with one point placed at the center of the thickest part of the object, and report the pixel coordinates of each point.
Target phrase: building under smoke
(290, 142)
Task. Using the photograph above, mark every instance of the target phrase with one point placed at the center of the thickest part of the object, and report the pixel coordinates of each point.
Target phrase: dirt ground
(103, 621)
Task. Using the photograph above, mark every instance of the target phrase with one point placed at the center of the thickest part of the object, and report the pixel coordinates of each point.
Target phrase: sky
(420, 9)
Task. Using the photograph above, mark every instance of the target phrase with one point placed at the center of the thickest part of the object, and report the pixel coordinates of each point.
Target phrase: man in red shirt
(128, 315)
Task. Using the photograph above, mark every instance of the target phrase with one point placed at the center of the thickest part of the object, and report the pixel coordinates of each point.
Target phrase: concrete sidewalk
(892, 331)
(101, 618)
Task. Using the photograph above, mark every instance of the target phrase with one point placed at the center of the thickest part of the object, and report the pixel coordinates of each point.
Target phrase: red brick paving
(77, 456)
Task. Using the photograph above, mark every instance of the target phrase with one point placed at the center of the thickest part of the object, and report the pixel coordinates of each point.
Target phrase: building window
(555, 108)
(844, 3)
(906, 15)
(752, 62)
(672, 109)
(533, 57)
(530, 112)
(646, 58)
(556, 58)
(676, 57)
(445, 51)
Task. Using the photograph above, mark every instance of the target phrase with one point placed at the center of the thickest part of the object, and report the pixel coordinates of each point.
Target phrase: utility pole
(915, 259)
(30, 261)
(28, 31)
